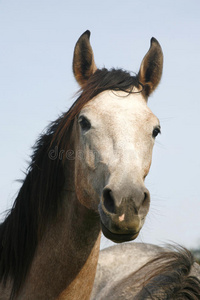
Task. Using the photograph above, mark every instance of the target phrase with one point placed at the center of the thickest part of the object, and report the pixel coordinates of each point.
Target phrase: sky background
(37, 39)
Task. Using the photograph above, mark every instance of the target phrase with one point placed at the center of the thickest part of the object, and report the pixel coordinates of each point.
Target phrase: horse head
(114, 133)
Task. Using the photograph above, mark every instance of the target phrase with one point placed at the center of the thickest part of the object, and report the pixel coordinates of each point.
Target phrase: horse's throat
(82, 249)
(82, 284)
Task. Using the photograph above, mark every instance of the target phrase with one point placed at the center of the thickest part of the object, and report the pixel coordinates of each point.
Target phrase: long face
(116, 134)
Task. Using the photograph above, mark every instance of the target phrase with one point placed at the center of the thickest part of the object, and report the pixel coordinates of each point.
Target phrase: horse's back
(116, 278)
(119, 261)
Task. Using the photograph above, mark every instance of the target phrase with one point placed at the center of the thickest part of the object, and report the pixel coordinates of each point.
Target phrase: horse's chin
(116, 237)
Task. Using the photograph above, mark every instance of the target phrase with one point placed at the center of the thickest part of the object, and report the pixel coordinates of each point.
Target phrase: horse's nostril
(108, 201)
(146, 199)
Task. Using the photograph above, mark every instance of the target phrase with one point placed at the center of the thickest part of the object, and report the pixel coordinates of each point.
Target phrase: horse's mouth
(117, 237)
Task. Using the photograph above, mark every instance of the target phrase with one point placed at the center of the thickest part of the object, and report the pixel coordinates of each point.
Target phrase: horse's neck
(65, 263)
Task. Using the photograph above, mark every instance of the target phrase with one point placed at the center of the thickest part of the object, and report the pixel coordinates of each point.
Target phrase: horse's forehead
(115, 105)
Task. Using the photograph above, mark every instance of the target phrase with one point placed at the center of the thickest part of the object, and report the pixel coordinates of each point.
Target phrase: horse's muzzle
(123, 218)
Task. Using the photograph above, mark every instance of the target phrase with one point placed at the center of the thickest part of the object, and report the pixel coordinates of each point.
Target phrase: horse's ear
(83, 61)
(151, 68)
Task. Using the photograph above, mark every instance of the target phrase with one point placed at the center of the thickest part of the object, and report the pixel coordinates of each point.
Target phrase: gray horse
(143, 271)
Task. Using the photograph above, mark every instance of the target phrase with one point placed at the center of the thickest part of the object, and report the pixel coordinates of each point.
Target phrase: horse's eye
(84, 123)
(156, 131)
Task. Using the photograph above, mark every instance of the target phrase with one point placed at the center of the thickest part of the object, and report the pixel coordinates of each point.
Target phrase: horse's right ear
(83, 61)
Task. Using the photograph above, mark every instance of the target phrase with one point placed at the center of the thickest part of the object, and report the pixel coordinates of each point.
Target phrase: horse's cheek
(84, 185)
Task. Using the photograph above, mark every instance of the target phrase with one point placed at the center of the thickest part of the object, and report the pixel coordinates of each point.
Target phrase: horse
(87, 174)
(143, 271)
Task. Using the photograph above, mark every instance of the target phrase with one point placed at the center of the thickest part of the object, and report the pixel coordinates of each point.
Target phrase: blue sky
(37, 39)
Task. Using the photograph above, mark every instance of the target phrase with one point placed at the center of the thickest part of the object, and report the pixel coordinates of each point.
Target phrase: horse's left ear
(151, 68)
(83, 61)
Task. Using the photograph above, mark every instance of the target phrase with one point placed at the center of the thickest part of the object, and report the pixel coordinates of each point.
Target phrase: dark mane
(39, 198)
(168, 277)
